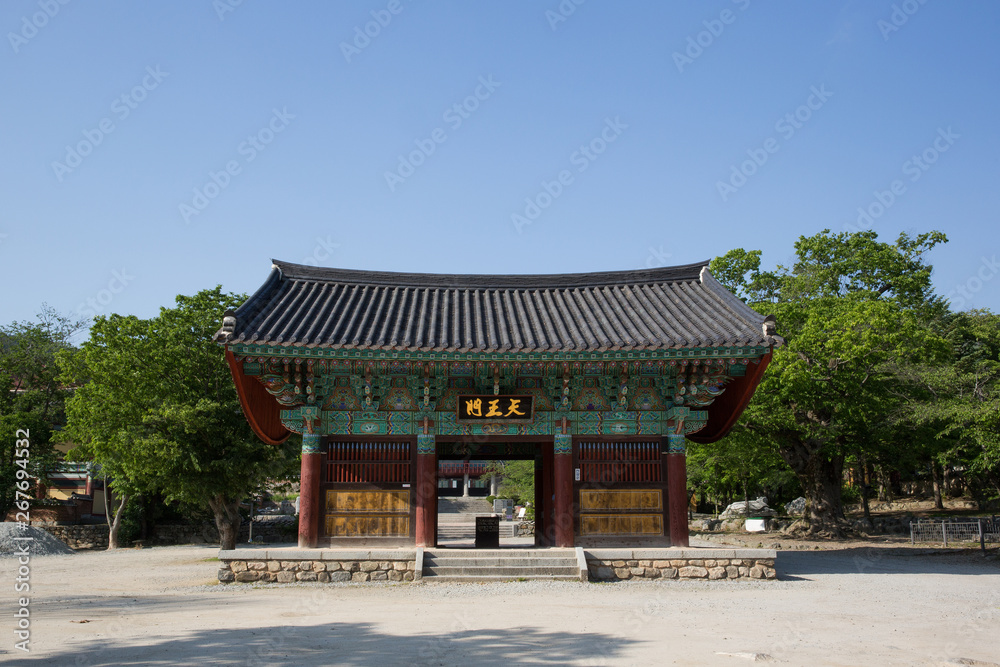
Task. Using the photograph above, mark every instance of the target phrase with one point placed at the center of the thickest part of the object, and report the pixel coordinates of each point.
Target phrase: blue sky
(151, 149)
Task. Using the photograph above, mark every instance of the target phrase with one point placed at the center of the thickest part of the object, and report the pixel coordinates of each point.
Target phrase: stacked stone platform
(698, 563)
(289, 564)
(286, 566)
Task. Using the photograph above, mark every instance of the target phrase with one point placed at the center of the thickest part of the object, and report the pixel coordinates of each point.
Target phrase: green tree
(517, 479)
(31, 395)
(742, 465)
(849, 308)
(160, 412)
(958, 403)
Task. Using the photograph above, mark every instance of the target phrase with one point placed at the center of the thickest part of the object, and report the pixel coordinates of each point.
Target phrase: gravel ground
(40, 544)
(864, 605)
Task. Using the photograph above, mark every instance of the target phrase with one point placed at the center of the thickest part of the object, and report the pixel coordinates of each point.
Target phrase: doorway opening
(468, 474)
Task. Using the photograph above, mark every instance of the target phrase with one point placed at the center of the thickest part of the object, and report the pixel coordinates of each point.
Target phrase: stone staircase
(467, 531)
(461, 510)
(467, 565)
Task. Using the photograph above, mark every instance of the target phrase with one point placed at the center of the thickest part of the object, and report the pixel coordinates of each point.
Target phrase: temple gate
(598, 377)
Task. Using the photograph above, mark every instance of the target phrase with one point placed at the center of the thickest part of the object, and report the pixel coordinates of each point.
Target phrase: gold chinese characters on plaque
(495, 408)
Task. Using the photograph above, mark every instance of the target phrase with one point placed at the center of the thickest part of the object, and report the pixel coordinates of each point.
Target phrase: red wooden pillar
(677, 512)
(562, 473)
(426, 492)
(309, 488)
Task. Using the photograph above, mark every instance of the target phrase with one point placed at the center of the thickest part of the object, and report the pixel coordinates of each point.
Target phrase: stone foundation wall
(291, 565)
(693, 568)
(92, 536)
(625, 564)
(95, 535)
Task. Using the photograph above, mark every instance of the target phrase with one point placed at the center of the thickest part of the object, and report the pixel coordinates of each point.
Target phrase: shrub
(850, 495)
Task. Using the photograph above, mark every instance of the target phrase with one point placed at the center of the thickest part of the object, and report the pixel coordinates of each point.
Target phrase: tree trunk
(227, 520)
(936, 484)
(113, 525)
(821, 477)
(865, 491)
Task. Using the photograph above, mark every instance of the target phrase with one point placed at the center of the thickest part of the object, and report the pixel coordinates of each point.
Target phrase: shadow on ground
(798, 565)
(349, 644)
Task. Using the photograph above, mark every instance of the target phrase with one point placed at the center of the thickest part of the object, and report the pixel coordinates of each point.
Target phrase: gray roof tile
(673, 307)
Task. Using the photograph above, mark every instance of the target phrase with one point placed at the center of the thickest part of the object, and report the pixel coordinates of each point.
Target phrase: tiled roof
(674, 307)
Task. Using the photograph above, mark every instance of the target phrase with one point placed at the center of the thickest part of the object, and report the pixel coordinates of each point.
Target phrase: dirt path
(860, 605)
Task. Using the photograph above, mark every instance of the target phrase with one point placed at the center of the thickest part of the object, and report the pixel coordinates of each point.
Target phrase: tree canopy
(160, 413)
(851, 309)
(32, 397)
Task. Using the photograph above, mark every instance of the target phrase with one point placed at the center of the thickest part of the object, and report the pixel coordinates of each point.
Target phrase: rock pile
(738, 510)
(796, 507)
(41, 543)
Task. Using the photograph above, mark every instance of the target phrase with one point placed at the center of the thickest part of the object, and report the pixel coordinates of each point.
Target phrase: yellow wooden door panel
(645, 525)
(621, 499)
(367, 526)
(368, 501)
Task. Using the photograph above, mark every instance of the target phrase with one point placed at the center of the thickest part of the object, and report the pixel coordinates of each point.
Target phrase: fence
(956, 531)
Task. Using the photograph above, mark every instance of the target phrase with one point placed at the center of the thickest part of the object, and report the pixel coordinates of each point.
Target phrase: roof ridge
(683, 272)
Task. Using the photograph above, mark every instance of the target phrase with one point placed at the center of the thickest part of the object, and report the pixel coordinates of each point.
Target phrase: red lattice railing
(368, 462)
(607, 462)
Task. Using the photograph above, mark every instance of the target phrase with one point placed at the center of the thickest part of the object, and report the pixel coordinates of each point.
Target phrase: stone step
(501, 564)
(498, 562)
(497, 570)
(459, 579)
(464, 506)
(465, 530)
(476, 565)
(499, 553)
